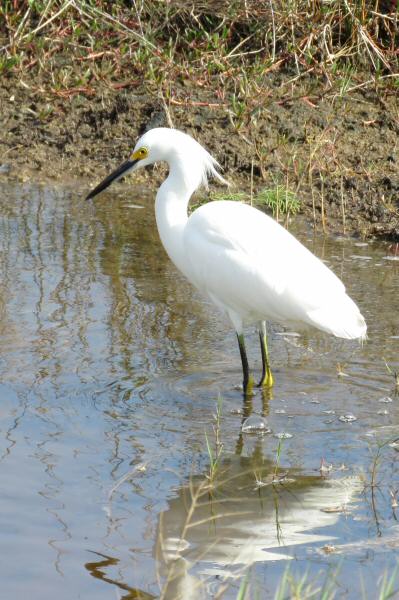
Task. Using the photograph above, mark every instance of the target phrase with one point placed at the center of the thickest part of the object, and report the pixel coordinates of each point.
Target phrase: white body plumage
(243, 260)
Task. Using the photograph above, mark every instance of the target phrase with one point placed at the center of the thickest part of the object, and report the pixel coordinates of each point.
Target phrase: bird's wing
(249, 263)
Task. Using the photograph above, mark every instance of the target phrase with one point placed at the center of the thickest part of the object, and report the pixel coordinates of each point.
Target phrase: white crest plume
(194, 164)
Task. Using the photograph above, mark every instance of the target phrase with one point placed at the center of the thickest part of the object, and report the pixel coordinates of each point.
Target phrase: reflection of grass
(215, 452)
(376, 485)
(278, 457)
(395, 375)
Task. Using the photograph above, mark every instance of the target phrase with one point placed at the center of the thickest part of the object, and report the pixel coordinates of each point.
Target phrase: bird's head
(176, 148)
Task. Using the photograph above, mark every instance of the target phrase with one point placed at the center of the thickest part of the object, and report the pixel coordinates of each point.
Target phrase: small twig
(124, 84)
(323, 217)
(194, 103)
(231, 53)
(252, 182)
(166, 109)
(274, 31)
(72, 91)
(343, 206)
(369, 81)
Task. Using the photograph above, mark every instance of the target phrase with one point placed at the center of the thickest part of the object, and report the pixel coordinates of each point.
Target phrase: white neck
(171, 214)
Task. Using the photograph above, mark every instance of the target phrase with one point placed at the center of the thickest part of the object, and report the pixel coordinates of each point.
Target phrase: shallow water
(111, 368)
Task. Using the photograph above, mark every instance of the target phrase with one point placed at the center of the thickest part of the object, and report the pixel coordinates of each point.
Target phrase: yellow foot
(249, 388)
(267, 381)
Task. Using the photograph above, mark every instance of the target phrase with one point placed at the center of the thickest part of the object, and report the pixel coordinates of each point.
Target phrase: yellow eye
(140, 154)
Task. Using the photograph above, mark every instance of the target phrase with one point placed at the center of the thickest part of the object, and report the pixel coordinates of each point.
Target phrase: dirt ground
(339, 154)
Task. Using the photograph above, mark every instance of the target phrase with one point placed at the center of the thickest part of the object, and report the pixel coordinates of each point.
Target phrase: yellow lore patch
(140, 154)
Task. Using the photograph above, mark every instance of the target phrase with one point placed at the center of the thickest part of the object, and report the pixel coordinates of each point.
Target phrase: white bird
(243, 260)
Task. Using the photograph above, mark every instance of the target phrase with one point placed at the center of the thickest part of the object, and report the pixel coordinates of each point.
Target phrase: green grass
(215, 450)
(389, 587)
(229, 195)
(304, 587)
(279, 199)
(228, 47)
(394, 375)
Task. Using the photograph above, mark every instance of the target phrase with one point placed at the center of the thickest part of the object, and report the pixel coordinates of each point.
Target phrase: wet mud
(338, 153)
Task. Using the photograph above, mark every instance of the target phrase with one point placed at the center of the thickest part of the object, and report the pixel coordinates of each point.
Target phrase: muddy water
(111, 367)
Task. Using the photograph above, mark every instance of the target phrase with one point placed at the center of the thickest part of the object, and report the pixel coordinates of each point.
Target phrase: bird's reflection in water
(247, 409)
(250, 512)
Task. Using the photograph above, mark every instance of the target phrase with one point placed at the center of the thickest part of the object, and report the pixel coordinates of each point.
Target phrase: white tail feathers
(342, 318)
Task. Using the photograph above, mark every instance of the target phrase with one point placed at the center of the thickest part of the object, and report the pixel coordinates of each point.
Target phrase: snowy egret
(245, 262)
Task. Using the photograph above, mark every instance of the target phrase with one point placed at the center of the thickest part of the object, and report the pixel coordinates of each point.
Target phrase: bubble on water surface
(283, 435)
(385, 400)
(348, 418)
(255, 424)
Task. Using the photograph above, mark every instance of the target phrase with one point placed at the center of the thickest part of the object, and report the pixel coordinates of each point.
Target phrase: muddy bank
(338, 153)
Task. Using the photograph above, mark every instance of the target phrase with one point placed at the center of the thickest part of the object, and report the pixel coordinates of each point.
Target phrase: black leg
(244, 361)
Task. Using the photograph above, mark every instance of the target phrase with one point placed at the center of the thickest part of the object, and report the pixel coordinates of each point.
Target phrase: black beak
(117, 174)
